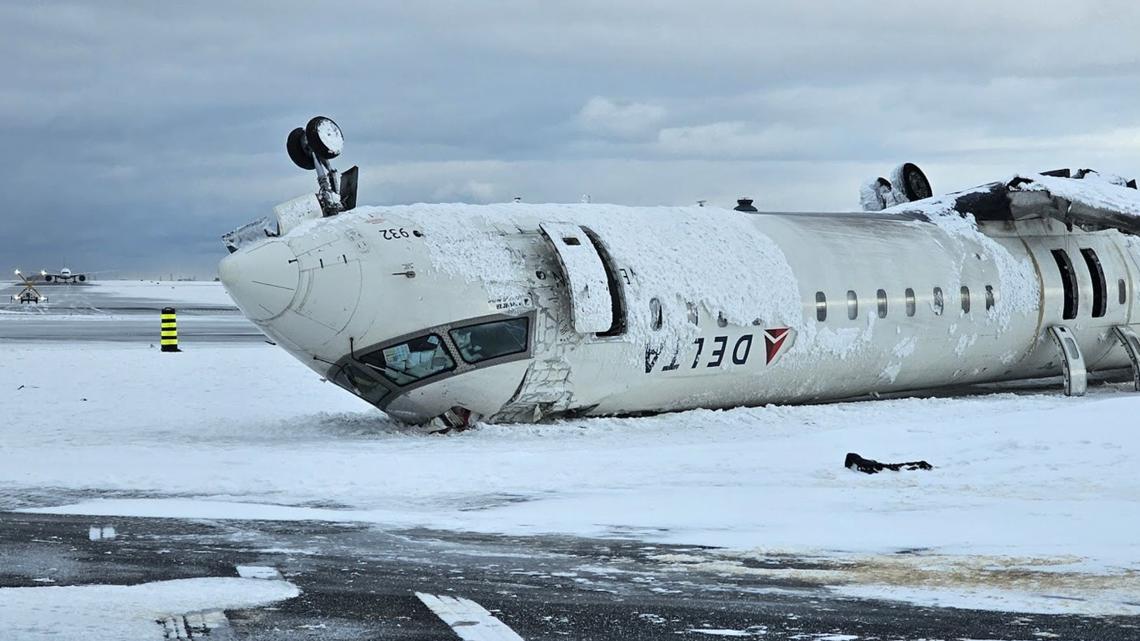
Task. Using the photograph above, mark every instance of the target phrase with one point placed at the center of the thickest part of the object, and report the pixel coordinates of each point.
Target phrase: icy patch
(1058, 585)
(1090, 603)
(209, 509)
(125, 611)
(712, 632)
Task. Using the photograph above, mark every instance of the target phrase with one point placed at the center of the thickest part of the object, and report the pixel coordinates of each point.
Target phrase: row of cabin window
(910, 302)
(880, 299)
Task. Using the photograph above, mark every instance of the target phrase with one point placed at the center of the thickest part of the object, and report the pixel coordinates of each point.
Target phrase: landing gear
(312, 147)
(1076, 376)
(1132, 346)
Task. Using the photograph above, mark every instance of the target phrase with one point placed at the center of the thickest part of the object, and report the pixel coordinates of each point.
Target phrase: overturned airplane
(447, 314)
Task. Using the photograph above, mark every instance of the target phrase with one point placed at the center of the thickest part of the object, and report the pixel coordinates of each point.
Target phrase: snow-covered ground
(129, 611)
(192, 292)
(1033, 496)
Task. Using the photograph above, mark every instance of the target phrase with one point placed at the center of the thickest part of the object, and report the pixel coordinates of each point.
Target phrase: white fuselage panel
(631, 310)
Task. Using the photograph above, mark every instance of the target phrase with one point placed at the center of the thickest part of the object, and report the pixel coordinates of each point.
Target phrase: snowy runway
(244, 432)
(1033, 505)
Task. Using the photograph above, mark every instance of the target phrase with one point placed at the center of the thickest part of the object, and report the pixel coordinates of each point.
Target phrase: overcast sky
(138, 133)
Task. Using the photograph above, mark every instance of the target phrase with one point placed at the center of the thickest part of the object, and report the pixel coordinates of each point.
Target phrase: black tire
(316, 143)
(299, 150)
(915, 185)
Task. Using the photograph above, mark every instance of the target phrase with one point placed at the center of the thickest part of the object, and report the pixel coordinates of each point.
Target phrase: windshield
(412, 360)
(355, 379)
(491, 340)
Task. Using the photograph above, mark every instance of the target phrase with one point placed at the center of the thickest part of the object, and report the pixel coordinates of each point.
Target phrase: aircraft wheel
(913, 183)
(324, 137)
(299, 151)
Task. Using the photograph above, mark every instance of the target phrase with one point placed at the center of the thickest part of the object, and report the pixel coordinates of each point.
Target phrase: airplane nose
(261, 279)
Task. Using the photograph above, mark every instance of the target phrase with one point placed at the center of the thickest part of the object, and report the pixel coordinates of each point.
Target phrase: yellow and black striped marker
(169, 340)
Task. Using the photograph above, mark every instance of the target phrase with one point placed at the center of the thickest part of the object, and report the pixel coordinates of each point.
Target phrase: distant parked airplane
(64, 276)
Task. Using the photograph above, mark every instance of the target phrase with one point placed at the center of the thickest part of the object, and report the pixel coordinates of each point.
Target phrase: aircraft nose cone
(261, 279)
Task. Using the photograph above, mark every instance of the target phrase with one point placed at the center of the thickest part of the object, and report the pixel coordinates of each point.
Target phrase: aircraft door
(1083, 278)
(591, 299)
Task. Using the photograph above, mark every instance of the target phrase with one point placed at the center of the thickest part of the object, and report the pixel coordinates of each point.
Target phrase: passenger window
(820, 306)
(990, 302)
(494, 339)
(412, 360)
(654, 314)
(721, 321)
(852, 305)
(965, 291)
(938, 303)
(694, 315)
(1122, 291)
(909, 302)
(881, 298)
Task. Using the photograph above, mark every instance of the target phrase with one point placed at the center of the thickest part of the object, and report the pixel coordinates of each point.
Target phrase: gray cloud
(140, 132)
(604, 118)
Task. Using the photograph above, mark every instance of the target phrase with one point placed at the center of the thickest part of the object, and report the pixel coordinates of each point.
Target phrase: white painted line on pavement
(258, 572)
(471, 621)
(97, 533)
(212, 623)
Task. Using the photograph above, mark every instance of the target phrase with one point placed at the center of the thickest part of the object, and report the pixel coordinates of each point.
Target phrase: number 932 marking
(394, 234)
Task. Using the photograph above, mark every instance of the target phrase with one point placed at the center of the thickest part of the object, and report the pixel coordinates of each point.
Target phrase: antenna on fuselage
(312, 148)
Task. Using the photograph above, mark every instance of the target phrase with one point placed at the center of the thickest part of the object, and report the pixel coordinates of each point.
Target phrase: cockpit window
(356, 380)
(411, 360)
(491, 340)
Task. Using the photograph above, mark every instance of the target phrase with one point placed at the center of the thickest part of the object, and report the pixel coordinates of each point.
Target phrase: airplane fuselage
(519, 312)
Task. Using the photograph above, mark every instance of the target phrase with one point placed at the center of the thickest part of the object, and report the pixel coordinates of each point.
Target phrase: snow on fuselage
(424, 309)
